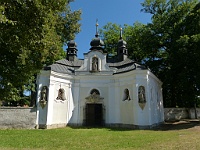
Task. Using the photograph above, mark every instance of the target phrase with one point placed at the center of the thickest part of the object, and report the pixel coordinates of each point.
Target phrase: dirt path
(182, 124)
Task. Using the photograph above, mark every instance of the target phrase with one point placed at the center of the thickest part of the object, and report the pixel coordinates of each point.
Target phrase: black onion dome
(71, 50)
(72, 44)
(121, 43)
(96, 43)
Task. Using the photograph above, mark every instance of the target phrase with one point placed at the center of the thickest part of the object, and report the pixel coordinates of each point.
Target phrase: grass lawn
(100, 139)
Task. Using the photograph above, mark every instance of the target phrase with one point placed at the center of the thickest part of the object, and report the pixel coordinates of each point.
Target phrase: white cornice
(154, 77)
(61, 75)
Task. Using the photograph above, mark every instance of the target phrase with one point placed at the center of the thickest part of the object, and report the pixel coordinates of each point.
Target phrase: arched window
(126, 95)
(61, 94)
(94, 91)
(141, 94)
(44, 93)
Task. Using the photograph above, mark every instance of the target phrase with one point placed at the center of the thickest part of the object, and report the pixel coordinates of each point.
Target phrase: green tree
(169, 46)
(110, 34)
(173, 48)
(131, 34)
(32, 34)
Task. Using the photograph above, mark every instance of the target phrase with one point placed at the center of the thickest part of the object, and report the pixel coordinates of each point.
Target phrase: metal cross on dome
(97, 34)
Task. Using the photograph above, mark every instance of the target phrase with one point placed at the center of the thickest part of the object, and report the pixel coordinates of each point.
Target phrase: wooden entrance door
(94, 115)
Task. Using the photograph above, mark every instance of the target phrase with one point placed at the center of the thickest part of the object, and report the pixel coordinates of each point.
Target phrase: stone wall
(192, 113)
(174, 114)
(17, 117)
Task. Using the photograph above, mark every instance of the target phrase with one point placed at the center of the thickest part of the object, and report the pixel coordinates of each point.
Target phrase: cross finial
(120, 33)
(97, 34)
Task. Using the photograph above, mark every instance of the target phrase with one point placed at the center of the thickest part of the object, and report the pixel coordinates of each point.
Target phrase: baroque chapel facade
(98, 90)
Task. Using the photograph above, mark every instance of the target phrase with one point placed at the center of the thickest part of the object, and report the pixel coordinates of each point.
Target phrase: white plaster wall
(153, 103)
(83, 94)
(101, 60)
(129, 112)
(111, 88)
(117, 102)
(86, 68)
(56, 111)
(161, 106)
(126, 107)
(60, 108)
(111, 104)
(75, 96)
(50, 103)
(87, 83)
(142, 115)
(156, 101)
(126, 111)
(60, 112)
(43, 79)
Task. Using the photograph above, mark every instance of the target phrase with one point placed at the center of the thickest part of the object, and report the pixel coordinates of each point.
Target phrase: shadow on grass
(101, 127)
(177, 125)
(167, 126)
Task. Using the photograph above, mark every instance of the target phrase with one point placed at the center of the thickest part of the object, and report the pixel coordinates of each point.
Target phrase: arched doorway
(94, 109)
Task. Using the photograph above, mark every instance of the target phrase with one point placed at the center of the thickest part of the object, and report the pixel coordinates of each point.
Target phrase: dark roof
(76, 63)
(121, 63)
(62, 68)
(65, 66)
(126, 65)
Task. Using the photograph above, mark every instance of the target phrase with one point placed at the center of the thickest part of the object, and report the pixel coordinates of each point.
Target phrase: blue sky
(115, 11)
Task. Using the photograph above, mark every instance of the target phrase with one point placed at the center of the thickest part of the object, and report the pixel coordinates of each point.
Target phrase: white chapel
(98, 90)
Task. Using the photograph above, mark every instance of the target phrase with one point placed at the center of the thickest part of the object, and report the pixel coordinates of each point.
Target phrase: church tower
(97, 43)
(71, 51)
(122, 52)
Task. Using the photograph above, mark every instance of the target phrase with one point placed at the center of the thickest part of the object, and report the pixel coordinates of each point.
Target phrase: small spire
(120, 33)
(97, 34)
